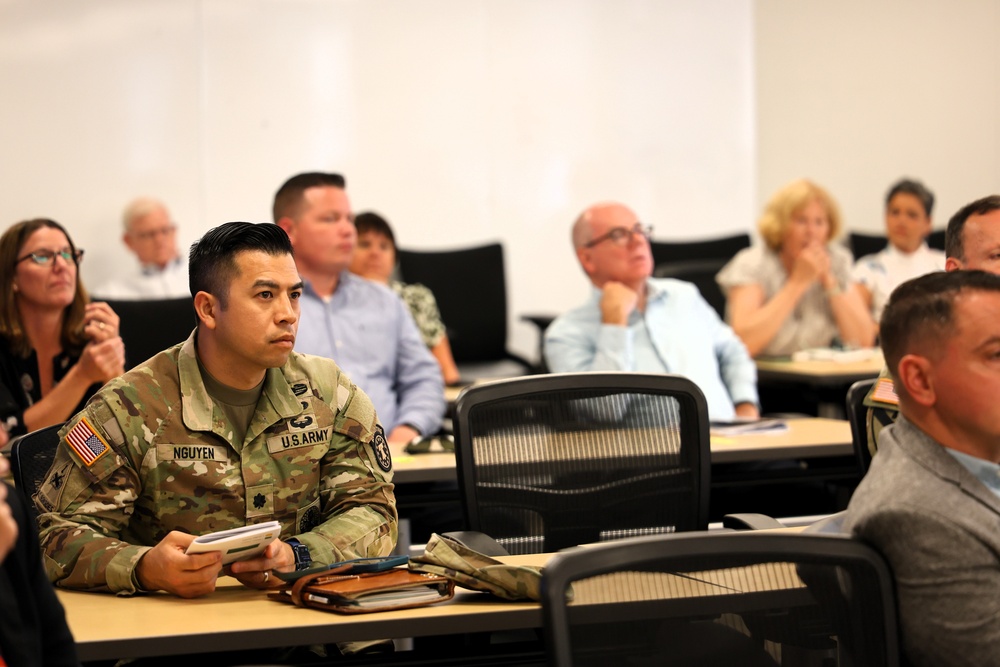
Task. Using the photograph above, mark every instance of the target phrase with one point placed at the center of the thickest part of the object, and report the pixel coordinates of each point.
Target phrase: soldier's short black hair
(212, 262)
(920, 312)
(954, 245)
(288, 198)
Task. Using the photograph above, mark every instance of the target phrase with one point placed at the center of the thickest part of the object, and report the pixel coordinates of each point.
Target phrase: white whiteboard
(462, 121)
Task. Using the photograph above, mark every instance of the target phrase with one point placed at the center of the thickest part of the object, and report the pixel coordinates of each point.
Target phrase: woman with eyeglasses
(795, 292)
(56, 348)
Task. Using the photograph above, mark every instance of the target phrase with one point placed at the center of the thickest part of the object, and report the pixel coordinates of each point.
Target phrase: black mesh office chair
(151, 326)
(721, 599)
(471, 292)
(702, 274)
(31, 456)
(666, 252)
(857, 415)
(551, 461)
(865, 244)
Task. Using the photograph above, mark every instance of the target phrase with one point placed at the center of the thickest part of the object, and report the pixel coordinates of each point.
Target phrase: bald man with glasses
(634, 322)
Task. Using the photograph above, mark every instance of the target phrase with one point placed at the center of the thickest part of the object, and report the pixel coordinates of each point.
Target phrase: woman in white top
(907, 223)
(795, 291)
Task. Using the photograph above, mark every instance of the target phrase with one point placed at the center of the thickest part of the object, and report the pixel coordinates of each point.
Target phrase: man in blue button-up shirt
(634, 322)
(361, 325)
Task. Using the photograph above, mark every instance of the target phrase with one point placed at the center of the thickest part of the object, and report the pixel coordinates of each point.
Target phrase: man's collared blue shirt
(371, 335)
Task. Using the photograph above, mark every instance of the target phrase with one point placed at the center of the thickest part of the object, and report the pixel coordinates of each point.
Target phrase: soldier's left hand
(256, 572)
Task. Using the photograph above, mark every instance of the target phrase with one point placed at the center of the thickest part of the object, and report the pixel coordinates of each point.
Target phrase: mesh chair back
(857, 415)
(721, 599)
(546, 462)
(149, 327)
(686, 251)
(31, 456)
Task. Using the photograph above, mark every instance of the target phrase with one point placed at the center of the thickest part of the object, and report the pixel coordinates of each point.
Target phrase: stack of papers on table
(748, 427)
(839, 356)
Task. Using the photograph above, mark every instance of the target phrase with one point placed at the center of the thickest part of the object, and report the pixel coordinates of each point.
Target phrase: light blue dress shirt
(678, 333)
(369, 332)
(986, 471)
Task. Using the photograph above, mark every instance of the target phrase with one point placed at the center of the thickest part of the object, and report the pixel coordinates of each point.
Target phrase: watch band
(303, 559)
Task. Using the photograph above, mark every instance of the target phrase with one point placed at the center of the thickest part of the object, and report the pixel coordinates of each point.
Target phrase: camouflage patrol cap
(470, 569)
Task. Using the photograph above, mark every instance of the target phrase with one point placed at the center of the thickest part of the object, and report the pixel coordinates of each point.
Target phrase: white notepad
(237, 543)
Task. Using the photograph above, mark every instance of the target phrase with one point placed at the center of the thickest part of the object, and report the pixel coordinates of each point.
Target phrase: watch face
(302, 557)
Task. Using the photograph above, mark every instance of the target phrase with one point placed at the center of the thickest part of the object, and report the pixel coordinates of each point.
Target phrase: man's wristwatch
(302, 558)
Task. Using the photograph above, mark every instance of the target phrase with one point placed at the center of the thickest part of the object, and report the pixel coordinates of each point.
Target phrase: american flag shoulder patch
(885, 391)
(86, 442)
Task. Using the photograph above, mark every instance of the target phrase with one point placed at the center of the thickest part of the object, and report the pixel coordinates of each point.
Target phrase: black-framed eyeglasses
(150, 234)
(622, 235)
(45, 257)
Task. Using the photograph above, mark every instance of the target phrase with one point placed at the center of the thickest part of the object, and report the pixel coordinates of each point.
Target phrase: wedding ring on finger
(100, 325)
(267, 576)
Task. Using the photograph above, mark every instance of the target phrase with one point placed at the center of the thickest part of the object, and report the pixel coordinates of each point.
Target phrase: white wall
(856, 94)
(463, 121)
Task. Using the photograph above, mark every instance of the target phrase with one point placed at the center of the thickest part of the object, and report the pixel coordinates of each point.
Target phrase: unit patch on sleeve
(86, 442)
(381, 449)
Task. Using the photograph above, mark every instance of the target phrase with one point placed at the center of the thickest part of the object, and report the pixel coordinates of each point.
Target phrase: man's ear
(916, 375)
(586, 261)
(287, 224)
(952, 264)
(127, 240)
(206, 307)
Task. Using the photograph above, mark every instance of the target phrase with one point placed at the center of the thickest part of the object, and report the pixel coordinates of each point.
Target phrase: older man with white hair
(151, 235)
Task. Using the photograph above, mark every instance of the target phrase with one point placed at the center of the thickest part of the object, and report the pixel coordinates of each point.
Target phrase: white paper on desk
(837, 356)
(237, 543)
(748, 427)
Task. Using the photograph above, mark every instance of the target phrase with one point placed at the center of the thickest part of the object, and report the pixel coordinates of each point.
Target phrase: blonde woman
(795, 291)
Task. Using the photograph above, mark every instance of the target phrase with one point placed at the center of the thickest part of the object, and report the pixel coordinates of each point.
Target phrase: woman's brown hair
(11, 327)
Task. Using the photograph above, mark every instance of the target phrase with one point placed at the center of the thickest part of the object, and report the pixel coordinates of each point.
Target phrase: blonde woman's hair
(788, 201)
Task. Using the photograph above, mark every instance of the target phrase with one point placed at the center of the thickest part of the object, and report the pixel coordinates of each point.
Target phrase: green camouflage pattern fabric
(880, 414)
(307, 461)
(471, 569)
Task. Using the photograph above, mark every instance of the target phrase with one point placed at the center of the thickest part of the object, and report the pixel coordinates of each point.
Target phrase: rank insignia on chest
(380, 448)
(86, 442)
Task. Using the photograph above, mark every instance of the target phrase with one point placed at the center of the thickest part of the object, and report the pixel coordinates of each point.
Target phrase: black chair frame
(31, 456)
(857, 415)
(693, 552)
(695, 432)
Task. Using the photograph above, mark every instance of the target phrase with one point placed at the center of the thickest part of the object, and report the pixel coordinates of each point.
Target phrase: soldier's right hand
(103, 361)
(166, 567)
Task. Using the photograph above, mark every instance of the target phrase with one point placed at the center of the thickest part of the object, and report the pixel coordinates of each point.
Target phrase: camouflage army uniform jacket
(313, 458)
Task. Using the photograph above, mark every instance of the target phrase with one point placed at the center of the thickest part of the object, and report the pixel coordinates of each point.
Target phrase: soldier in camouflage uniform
(227, 429)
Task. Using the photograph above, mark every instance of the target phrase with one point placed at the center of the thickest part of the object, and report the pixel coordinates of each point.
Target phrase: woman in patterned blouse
(375, 259)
